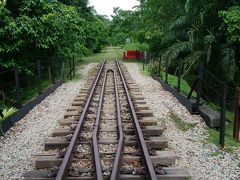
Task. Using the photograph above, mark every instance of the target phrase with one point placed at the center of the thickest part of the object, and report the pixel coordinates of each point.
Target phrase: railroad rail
(151, 172)
(68, 156)
(107, 133)
(120, 147)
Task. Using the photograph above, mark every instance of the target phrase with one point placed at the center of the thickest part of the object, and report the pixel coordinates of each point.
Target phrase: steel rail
(147, 160)
(119, 152)
(69, 154)
(96, 153)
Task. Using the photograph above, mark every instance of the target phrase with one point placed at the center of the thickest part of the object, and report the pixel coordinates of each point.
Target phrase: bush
(7, 113)
(153, 68)
(136, 46)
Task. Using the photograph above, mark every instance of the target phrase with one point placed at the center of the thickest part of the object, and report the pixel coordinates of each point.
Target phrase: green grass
(230, 114)
(213, 133)
(31, 91)
(108, 53)
(230, 143)
(229, 110)
(7, 113)
(180, 124)
(144, 72)
(215, 154)
(173, 81)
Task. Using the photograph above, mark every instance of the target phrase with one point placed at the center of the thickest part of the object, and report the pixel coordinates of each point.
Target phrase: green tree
(123, 26)
(195, 31)
(31, 28)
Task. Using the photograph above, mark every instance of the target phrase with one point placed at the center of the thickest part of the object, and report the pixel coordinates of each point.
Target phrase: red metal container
(130, 54)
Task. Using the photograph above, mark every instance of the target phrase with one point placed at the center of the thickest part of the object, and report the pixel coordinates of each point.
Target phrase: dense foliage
(203, 31)
(120, 26)
(195, 31)
(30, 29)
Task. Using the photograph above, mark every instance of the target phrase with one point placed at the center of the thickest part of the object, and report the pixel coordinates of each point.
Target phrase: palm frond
(208, 41)
(7, 113)
(229, 66)
(179, 23)
(187, 6)
(173, 36)
(192, 60)
(176, 30)
(172, 52)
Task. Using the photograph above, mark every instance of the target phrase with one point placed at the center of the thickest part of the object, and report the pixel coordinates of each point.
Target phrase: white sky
(105, 7)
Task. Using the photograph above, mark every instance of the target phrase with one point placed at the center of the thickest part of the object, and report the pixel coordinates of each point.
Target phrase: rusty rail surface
(96, 154)
(146, 156)
(69, 154)
(119, 153)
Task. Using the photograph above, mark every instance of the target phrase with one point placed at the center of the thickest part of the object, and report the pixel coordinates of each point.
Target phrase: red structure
(133, 55)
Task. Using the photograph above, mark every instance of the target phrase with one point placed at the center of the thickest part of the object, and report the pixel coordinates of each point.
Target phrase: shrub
(153, 68)
(8, 112)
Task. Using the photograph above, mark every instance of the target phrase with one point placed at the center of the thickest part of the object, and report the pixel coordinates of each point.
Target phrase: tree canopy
(203, 31)
(31, 28)
(196, 31)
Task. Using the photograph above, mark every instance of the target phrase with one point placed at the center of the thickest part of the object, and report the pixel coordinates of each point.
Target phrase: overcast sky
(105, 7)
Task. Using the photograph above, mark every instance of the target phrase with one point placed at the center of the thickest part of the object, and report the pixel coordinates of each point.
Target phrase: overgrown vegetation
(172, 79)
(230, 143)
(203, 31)
(47, 30)
(7, 113)
(108, 53)
(136, 46)
(32, 28)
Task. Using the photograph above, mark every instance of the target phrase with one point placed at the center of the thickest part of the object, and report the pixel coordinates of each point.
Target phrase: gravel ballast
(202, 160)
(25, 140)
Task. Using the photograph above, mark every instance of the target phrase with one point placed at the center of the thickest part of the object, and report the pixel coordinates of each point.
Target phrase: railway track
(107, 133)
